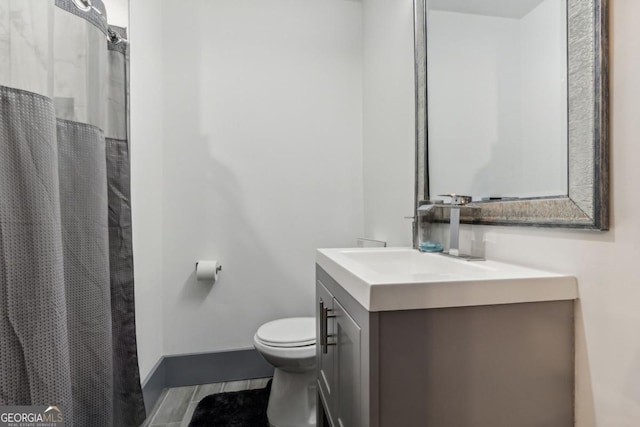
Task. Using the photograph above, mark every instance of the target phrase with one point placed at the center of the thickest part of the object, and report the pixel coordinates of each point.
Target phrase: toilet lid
(291, 332)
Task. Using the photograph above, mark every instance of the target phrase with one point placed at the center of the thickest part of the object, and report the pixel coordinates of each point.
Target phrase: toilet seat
(288, 333)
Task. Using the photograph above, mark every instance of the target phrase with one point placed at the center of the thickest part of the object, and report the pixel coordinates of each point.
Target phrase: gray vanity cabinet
(325, 353)
(339, 355)
(347, 367)
(499, 365)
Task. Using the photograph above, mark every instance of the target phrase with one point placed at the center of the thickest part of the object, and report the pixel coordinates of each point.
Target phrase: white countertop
(383, 279)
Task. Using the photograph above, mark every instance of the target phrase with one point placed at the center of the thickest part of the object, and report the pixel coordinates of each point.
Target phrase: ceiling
(499, 8)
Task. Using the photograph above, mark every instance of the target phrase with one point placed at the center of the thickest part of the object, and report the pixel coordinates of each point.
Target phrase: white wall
(262, 139)
(146, 177)
(247, 147)
(389, 120)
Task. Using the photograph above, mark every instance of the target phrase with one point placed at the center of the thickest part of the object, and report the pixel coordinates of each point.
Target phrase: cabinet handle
(324, 320)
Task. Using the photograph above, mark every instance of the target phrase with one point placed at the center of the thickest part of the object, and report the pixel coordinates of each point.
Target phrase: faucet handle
(457, 199)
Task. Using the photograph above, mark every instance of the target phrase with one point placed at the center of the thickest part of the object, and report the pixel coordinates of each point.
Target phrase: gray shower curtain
(67, 324)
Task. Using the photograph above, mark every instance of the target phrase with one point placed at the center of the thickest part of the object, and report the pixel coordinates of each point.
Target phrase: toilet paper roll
(208, 270)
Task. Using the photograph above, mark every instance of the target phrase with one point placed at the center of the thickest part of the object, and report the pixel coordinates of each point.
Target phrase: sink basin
(411, 262)
(382, 279)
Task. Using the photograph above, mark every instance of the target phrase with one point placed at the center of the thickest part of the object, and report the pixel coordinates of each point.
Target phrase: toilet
(290, 346)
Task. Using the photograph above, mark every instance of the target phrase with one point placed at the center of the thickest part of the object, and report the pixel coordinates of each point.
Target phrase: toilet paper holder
(208, 270)
(218, 268)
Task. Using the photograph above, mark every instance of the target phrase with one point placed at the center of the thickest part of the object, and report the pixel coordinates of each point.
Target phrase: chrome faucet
(457, 201)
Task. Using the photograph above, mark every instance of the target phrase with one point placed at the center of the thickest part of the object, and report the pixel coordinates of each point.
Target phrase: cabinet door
(325, 354)
(347, 393)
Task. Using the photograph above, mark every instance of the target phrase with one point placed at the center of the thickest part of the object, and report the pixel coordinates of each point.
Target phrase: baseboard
(203, 368)
(153, 385)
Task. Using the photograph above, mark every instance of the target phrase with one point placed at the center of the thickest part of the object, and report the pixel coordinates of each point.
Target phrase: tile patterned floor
(176, 405)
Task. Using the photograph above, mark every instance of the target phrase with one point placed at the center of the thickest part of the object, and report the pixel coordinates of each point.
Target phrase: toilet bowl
(290, 346)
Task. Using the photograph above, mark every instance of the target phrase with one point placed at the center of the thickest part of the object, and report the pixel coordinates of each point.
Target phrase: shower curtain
(67, 327)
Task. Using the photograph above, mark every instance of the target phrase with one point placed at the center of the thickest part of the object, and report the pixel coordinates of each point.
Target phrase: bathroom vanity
(413, 339)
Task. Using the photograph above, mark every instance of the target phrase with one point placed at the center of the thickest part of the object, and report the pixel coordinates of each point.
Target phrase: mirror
(512, 109)
(497, 98)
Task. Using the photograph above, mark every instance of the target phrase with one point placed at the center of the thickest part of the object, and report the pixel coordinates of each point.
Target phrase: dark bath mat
(246, 408)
